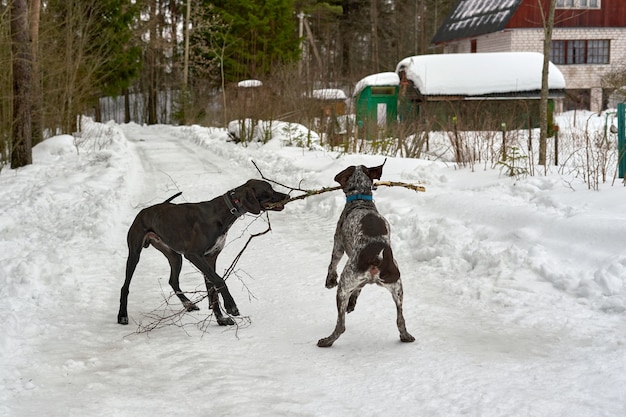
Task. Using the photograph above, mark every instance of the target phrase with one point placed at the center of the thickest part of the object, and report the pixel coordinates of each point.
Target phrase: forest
(178, 61)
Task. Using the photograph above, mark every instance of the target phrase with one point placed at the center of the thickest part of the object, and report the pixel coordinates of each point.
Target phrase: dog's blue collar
(355, 197)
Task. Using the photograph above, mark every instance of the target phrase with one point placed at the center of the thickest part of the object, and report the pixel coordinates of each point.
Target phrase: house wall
(611, 14)
(583, 76)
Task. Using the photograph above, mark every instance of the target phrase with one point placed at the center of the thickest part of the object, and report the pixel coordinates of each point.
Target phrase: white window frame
(579, 4)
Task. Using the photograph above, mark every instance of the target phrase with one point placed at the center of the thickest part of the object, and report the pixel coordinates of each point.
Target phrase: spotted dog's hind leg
(397, 293)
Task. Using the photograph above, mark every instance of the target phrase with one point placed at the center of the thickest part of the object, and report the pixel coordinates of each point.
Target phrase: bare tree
(37, 92)
(548, 25)
(21, 153)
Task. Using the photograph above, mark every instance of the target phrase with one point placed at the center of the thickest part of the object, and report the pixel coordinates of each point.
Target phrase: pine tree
(261, 34)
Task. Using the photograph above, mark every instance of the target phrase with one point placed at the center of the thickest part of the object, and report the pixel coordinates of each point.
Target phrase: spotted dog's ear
(344, 175)
(375, 172)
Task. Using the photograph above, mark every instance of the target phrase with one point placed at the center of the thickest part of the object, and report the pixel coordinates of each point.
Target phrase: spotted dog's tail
(370, 257)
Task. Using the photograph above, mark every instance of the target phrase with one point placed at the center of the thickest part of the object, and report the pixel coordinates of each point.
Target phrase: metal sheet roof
(471, 18)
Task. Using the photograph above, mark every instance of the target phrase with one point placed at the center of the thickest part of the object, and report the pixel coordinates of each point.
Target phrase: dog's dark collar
(233, 204)
(354, 197)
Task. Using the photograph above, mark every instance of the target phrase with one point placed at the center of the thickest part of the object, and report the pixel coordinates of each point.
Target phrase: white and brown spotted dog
(362, 234)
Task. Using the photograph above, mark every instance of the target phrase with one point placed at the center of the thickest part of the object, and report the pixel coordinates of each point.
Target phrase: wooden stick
(308, 193)
(413, 187)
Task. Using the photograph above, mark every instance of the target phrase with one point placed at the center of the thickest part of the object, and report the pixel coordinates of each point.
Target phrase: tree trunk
(21, 153)
(126, 106)
(37, 92)
(548, 24)
(152, 62)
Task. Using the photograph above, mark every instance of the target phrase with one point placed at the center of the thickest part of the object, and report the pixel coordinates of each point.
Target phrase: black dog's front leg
(214, 304)
(215, 284)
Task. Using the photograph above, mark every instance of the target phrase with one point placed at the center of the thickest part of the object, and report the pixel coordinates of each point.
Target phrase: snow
(514, 289)
(382, 78)
(328, 94)
(287, 134)
(479, 73)
(249, 83)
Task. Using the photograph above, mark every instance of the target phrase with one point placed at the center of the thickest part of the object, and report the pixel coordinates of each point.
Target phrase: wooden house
(328, 105)
(588, 39)
(481, 91)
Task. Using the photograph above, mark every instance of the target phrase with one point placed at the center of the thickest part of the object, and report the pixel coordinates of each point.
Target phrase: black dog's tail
(370, 257)
(172, 197)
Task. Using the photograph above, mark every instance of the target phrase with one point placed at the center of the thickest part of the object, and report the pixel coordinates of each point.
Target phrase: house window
(580, 51)
(598, 52)
(577, 4)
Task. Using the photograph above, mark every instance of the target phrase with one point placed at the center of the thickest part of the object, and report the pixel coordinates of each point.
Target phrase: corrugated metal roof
(471, 18)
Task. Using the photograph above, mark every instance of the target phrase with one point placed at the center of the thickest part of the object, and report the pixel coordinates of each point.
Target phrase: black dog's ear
(376, 172)
(249, 201)
(344, 175)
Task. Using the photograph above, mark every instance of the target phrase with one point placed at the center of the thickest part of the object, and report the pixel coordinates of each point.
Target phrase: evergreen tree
(115, 40)
(261, 33)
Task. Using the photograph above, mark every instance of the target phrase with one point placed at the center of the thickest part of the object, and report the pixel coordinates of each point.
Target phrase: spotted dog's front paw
(331, 280)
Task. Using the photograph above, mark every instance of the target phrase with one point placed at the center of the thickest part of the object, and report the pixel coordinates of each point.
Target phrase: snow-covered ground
(514, 289)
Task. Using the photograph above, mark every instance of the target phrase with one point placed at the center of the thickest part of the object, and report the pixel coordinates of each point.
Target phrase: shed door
(381, 114)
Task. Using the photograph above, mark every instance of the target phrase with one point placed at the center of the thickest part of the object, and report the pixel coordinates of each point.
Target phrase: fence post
(621, 138)
(556, 145)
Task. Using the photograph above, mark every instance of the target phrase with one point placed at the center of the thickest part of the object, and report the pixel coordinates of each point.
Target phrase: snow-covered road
(514, 290)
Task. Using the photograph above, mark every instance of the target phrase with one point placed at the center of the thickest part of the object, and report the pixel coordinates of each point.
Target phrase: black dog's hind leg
(176, 263)
(135, 243)
(131, 264)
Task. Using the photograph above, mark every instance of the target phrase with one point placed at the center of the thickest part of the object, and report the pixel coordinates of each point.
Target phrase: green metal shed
(376, 103)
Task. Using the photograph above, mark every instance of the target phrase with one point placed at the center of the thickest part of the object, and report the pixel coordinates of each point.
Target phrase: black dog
(363, 234)
(196, 231)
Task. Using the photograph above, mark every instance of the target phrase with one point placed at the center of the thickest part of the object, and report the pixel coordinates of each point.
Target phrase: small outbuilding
(376, 103)
(331, 101)
(329, 104)
(476, 91)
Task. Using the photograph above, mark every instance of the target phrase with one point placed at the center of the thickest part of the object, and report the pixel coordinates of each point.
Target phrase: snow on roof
(479, 73)
(250, 83)
(329, 94)
(382, 78)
